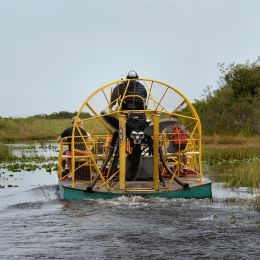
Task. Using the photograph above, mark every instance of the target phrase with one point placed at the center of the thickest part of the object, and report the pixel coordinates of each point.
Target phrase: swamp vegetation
(24, 158)
(231, 116)
(26, 129)
(234, 161)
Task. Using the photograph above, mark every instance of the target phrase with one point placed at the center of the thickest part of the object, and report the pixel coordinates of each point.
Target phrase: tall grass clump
(5, 154)
(234, 174)
(247, 175)
(230, 148)
(25, 129)
(41, 128)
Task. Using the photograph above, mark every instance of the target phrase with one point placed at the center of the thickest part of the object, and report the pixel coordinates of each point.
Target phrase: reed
(235, 173)
(233, 160)
(5, 154)
(225, 140)
(243, 175)
(25, 129)
(229, 148)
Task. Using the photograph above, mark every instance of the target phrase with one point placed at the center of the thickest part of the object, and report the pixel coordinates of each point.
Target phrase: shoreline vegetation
(234, 161)
(233, 108)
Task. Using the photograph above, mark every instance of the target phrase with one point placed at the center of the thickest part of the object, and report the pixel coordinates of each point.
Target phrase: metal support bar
(122, 149)
(156, 119)
(60, 159)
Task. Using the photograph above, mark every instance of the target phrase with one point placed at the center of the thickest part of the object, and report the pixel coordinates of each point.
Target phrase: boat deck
(138, 186)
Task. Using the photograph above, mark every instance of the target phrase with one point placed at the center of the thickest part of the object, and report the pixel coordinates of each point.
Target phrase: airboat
(125, 152)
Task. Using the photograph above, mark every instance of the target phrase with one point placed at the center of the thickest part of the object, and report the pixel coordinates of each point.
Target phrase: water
(36, 224)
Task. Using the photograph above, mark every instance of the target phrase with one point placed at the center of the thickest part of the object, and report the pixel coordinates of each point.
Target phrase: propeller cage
(121, 134)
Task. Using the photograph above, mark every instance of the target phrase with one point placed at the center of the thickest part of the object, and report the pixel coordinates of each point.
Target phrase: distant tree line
(61, 115)
(234, 107)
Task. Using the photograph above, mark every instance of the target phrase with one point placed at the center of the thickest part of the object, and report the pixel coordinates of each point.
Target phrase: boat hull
(201, 191)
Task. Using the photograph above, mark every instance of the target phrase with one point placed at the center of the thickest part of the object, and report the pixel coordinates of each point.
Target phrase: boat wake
(35, 198)
(27, 205)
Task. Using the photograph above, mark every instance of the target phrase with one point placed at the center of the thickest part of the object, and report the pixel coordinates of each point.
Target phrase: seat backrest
(133, 102)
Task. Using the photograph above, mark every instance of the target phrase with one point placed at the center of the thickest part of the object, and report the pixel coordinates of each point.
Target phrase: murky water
(36, 224)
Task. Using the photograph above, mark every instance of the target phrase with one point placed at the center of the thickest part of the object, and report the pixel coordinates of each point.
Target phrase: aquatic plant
(243, 173)
(50, 167)
(5, 154)
(11, 186)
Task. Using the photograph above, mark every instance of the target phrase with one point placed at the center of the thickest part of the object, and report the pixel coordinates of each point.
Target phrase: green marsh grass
(25, 129)
(5, 154)
(27, 162)
(242, 175)
(234, 161)
(230, 148)
(236, 173)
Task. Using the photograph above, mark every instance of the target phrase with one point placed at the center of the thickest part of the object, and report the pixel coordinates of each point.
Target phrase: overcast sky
(54, 53)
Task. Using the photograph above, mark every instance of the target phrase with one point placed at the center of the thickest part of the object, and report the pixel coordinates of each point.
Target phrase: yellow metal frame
(122, 151)
(93, 160)
(156, 118)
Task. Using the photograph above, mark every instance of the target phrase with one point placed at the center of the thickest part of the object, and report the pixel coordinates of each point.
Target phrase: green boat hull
(198, 192)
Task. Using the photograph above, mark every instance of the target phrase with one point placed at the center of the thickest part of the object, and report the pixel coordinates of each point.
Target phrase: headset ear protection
(132, 75)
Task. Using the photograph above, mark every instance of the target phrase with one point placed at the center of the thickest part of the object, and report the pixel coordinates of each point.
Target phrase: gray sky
(54, 53)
